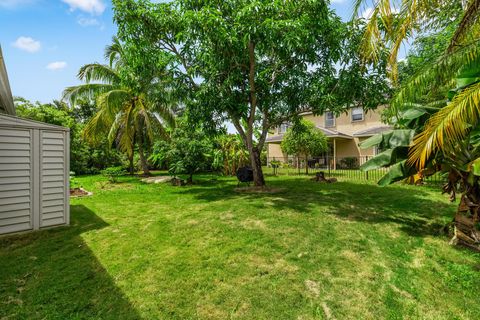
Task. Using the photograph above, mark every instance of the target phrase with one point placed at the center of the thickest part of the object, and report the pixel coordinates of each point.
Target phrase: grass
(314, 251)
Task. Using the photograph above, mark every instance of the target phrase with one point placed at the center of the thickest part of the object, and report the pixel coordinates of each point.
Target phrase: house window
(357, 114)
(329, 119)
(283, 127)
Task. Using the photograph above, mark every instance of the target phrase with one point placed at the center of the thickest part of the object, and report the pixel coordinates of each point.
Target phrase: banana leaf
(390, 139)
(386, 158)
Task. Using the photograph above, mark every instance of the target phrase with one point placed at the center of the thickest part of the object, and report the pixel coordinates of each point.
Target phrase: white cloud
(91, 6)
(10, 4)
(337, 1)
(367, 13)
(27, 44)
(57, 65)
(88, 22)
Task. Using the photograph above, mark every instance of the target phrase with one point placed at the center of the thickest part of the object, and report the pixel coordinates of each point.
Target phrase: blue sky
(45, 42)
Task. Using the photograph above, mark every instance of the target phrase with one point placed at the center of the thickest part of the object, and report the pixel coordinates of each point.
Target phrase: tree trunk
(143, 160)
(190, 179)
(130, 160)
(306, 165)
(256, 164)
(466, 219)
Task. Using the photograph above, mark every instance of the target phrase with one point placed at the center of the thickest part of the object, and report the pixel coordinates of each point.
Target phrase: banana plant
(448, 141)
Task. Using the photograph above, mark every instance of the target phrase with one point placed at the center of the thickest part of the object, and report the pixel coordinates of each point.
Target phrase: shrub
(349, 163)
(112, 173)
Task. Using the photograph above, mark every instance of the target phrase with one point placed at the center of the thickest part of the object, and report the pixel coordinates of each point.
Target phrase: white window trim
(334, 120)
(363, 115)
(279, 129)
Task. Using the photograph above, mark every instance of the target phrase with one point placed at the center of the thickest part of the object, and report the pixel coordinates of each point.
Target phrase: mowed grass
(313, 251)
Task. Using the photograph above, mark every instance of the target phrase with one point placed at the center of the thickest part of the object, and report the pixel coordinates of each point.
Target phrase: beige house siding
(347, 144)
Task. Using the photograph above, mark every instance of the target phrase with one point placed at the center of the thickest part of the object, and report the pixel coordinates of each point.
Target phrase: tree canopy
(253, 63)
(303, 139)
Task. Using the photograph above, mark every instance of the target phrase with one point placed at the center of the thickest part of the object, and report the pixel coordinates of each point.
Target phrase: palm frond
(96, 128)
(448, 126)
(440, 72)
(114, 52)
(87, 91)
(470, 17)
(113, 101)
(98, 72)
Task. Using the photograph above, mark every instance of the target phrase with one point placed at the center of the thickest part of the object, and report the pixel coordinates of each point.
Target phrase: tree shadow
(52, 274)
(410, 207)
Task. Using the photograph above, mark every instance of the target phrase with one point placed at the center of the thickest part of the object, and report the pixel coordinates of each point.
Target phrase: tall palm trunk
(143, 160)
(130, 161)
(141, 153)
(466, 219)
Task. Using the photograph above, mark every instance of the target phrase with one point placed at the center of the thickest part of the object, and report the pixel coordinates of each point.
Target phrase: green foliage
(248, 61)
(84, 158)
(349, 163)
(133, 107)
(73, 181)
(229, 154)
(304, 139)
(113, 173)
(188, 151)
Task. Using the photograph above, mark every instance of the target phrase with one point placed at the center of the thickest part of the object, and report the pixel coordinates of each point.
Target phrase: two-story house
(344, 134)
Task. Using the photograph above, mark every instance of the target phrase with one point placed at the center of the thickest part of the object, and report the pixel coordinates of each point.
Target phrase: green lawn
(314, 251)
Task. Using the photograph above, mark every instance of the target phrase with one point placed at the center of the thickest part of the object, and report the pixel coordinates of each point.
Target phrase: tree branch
(253, 95)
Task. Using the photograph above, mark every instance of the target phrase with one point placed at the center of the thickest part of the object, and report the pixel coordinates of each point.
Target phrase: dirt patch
(312, 287)
(157, 179)
(79, 192)
(258, 190)
(252, 224)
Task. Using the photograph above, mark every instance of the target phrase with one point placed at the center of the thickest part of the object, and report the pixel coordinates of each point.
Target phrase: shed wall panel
(15, 180)
(52, 178)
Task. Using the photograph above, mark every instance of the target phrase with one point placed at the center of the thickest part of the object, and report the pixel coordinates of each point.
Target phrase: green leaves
(304, 139)
(390, 139)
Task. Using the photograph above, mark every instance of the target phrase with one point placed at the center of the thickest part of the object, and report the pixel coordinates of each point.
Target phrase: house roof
(277, 138)
(329, 133)
(372, 131)
(334, 134)
(6, 99)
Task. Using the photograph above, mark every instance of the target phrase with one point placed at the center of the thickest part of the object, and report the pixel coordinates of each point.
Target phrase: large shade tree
(253, 63)
(131, 109)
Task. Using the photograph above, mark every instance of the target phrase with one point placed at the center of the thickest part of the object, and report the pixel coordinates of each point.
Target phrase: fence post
(366, 172)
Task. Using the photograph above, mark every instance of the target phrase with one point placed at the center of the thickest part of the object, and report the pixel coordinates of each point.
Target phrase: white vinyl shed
(34, 169)
(34, 175)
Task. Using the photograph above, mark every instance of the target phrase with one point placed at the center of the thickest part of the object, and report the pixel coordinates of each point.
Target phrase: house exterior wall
(344, 124)
(34, 175)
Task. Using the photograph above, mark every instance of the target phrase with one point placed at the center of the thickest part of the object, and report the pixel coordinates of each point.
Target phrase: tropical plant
(303, 139)
(448, 139)
(112, 173)
(188, 151)
(84, 158)
(131, 111)
(229, 154)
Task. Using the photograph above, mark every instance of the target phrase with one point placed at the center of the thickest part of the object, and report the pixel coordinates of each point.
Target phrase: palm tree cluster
(130, 115)
(448, 139)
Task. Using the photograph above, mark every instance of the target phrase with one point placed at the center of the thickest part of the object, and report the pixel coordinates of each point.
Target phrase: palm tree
(130, 115)
(449, 140)
(387, 29)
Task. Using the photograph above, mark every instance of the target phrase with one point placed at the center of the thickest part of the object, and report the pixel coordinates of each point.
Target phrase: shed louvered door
(16, 175)
(52, 178)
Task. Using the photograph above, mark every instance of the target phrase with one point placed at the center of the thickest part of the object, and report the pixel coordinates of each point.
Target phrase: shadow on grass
(52, 274)
(410, 208)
